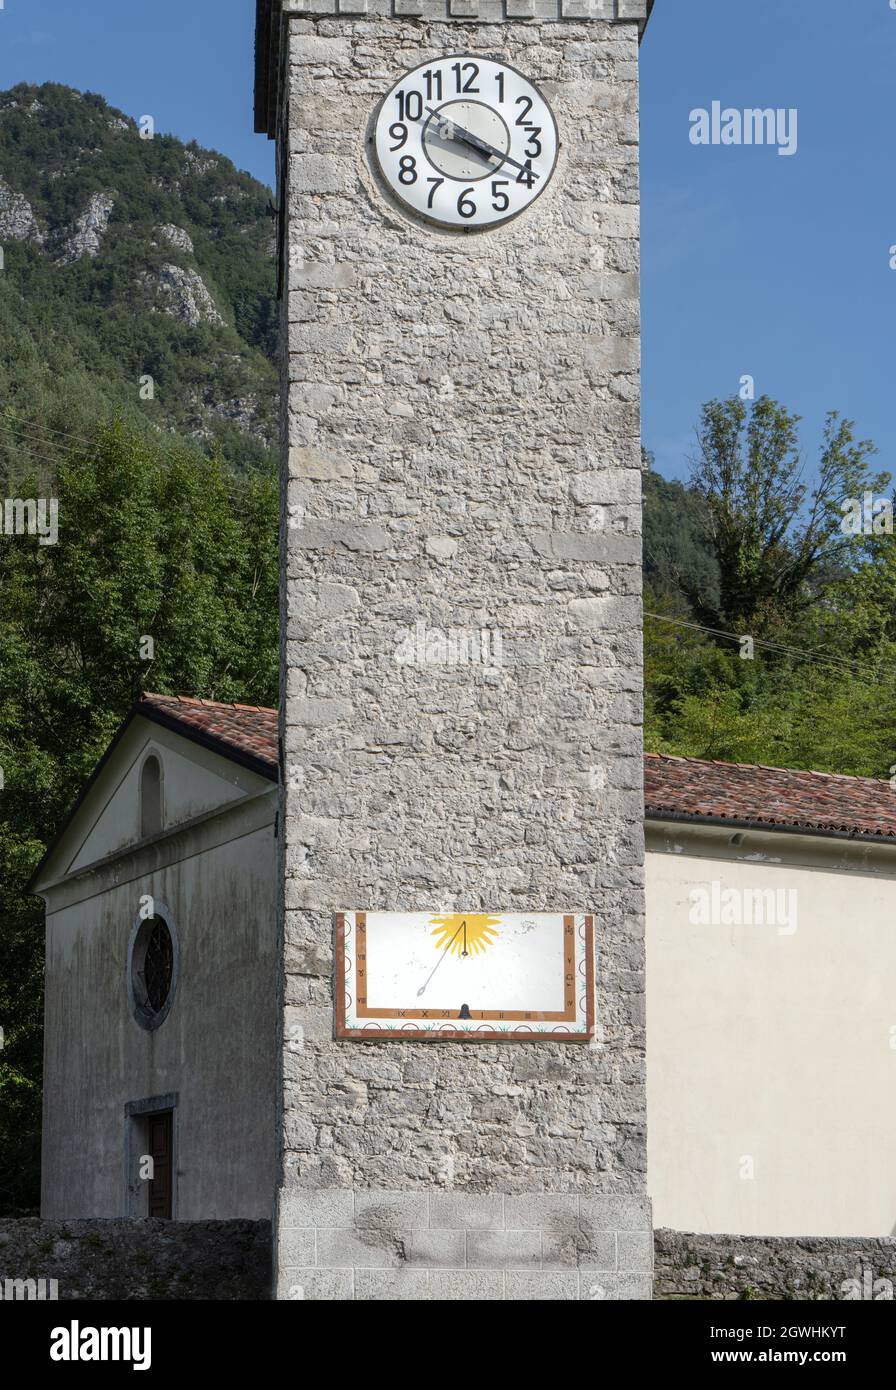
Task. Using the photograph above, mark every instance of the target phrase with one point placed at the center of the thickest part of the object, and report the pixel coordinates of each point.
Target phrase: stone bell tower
(461, 629)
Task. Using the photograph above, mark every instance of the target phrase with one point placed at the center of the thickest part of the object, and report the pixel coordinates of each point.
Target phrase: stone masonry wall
(719, 1267)
(462, 448)
(137, 1259)
(489, 1247)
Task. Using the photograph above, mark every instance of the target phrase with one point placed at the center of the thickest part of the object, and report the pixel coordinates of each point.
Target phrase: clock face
(465, 976)
(466, 142)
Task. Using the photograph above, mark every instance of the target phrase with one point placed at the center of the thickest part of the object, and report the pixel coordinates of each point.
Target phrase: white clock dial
(466, 142)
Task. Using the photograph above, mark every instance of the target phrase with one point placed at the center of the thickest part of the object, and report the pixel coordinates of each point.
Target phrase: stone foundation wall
(797, 1268)
(410, 1246)
(136, 1259)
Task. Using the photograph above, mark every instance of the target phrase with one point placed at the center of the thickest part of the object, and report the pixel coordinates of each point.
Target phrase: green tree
(154, 541)
(774, 537)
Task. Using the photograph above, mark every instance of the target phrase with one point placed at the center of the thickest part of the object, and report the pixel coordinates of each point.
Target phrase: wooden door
(160, 1185)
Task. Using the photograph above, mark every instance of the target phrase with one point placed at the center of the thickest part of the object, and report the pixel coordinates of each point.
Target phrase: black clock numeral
(500, 200)
(526, 175)
(433, 82)
(521, 118)
(407, 169)
(472, 69)
(398, 133)
(465, 205)
(410, 105)
(499, 78)
(534, 132)
(436, 184)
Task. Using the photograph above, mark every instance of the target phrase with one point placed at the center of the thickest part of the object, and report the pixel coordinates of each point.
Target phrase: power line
(44, 434)
(800, 653)
(14, 435)
(39, 459)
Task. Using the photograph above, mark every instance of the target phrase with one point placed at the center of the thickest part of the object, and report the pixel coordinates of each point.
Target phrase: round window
(152, 970)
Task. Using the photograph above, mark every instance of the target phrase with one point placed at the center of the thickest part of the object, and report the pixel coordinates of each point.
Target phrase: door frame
(136, 1191)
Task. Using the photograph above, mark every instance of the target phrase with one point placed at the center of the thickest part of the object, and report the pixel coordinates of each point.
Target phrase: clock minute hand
(468, 138)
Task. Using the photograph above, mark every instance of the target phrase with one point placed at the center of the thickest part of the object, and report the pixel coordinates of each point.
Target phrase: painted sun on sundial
(465, 976)
(465, 932)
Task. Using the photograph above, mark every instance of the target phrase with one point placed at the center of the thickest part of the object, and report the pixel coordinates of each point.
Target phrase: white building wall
(771, 1057)
(217, 1047)
(194, 780)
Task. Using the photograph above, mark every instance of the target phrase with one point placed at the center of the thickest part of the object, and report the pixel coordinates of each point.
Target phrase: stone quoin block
(354, 1249)
(470, 1211)
(504, 1249)
(316, 1285)
(600, 1287)
(541, 1287)
(432, 1249)
(386, 1211)
(615, 1213)
(392, 1285)
(547, 1211)
(298, 1246)
(580, 1249)
(635, 1250)
(310, 1207)
(478, 1285)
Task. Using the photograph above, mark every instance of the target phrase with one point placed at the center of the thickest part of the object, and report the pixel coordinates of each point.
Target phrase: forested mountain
(127, 258)
(677, 542)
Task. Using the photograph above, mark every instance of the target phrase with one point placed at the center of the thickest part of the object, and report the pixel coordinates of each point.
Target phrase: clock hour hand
(444, 124)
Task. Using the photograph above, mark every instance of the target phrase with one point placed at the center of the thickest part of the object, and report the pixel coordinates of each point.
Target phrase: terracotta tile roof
(743, 793)
(247, 729)
(768, 796)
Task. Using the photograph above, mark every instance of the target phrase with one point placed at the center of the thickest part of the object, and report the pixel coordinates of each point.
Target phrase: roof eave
(265, 767)
(769, 827)
(268, 26)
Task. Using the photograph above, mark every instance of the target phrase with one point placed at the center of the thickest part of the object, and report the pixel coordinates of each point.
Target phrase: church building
(393, 965)
(770, 1044)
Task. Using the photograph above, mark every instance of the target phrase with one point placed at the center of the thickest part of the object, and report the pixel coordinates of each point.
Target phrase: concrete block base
(335, 1243)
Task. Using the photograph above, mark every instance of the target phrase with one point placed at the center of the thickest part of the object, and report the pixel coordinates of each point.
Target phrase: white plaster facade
(771, 1048)
(211, 871)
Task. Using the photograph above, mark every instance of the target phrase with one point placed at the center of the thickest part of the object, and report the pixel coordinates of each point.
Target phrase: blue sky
(753, 263)
(759, 264)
